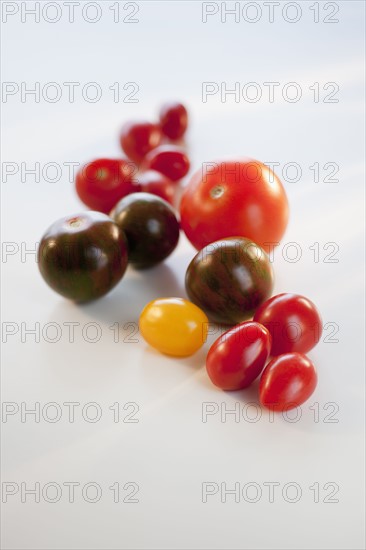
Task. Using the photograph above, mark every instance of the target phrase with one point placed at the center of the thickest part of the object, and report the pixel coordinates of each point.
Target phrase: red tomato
(157, 184)
(238, 356)
(293, 321)
(138, 138)
(103, 182)
(287, 382)
(168, 160)
(243, 198)
(173, 120)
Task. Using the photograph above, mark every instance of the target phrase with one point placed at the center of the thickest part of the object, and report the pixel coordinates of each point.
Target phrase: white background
(171, 452)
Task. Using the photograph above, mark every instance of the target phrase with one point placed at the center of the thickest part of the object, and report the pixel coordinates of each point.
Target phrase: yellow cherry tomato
(174, 326)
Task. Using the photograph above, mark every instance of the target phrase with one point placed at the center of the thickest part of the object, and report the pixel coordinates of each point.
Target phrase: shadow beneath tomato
(195, 361)
(125, 302)
(161, 281)
(249, 395)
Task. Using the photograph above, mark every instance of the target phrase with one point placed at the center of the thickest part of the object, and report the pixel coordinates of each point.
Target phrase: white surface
(170, 452)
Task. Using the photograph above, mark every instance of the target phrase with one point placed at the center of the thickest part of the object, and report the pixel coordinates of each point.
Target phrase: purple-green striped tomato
(228, 279)
(82, 257)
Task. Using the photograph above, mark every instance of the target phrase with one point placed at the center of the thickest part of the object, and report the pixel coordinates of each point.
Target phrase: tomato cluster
(232, 212)
(153, 163)
(239, 356)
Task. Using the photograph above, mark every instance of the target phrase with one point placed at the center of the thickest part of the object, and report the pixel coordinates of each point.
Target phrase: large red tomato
(234, 198)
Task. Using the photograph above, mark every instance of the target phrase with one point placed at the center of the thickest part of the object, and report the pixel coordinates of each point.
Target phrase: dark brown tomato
(82, 257)
(229, 279)
(151, 228)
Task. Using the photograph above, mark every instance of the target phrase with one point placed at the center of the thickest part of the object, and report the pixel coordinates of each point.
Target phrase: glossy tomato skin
(293, 321)
(101, 183)
(173, 326)
(150, 226)
(157, 184)
(229, 279)
(236, 358)
(139, 138)
(82, 257)
(287, 382)
(228, 198)
(169, 160)
(173, 120)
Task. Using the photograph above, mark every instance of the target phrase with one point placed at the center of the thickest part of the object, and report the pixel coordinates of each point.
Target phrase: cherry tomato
(151, 228)
(101, 183)
(243, 198)
(293, 321)
(84, 256)
(173, 326)
(173, 120)
(169, 160)
(238, 356)
(287, 381)
(229, 279)
(138, 138)
(157, 184)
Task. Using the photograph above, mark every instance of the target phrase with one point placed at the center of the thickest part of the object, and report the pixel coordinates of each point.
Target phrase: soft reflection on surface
(241, 274)
(252, 351)
(154, 227)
